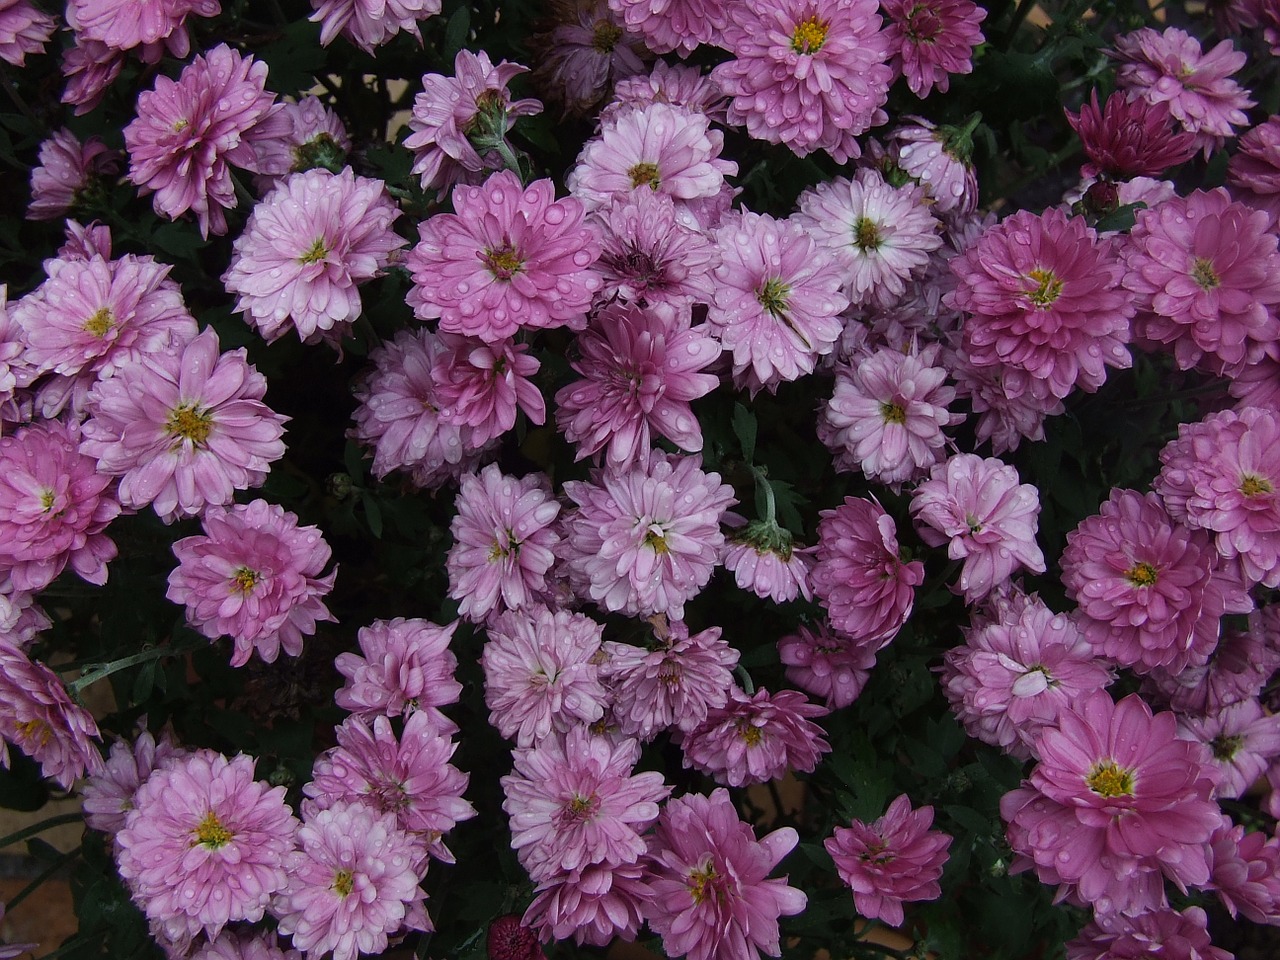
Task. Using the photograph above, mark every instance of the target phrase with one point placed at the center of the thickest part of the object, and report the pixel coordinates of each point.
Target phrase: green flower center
(315, 253)
(893, 413)
(244, 580)
(644, 173)
(189, 422)
(866, 235)
(605, 36)
(701, 881)
(1048, 287)
(343, 883)
(1141, 575)
(1202, 273)
(774, 296)
(1252, 485)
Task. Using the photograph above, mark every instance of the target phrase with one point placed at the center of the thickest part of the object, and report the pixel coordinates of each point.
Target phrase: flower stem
(35, 828)
(98, 671)
(35, 884)
(770, 507)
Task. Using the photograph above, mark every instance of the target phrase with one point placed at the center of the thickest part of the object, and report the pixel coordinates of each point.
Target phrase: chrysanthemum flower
(449, 109)
(408, 776)
(664, 148)
(807, 73)
(1151, 593)
(1116, 801)
(504, 542)
(1171, 67)
(38, 716)
(575, 802)
(646, 538)
(205, 844)
(126, 24)
(893, 860)
(755, 738)
(584, 51)
(764, 559)
(1046, 305)
(1244, 742)
(859, 577)
(353, 883)
(641, 368)
(541, 674)
(98, 316)
(1017, 670)
(1158, 934)
(1206, 272)
(712, 896)
(255, 576)
(777, 299)
(827, 664)
(188, 133)
(1246, 872)
(1129, 137)
(370, 23)
(184, 430)
(1238, 669)
(306, 248)
(930, 40)
(593, 905)
(245, 946)
(54, 507)
(672, 685)
(480, 385)
(508, 938)
(108, 794)
(1254, 169)
(509, 258)
(887, 414)
(673, 25)
(23, 29)
(403, 666)
(937, 159)
(316, 137)
(66, 168)
(679, 84)
(90, 68)
(985, 516)
(21, 618)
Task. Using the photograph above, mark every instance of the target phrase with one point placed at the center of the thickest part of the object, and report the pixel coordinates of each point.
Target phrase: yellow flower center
(189, 422)
(1048, 287)
(605, 36)
(750, 733)
(343, 883)
(809, 36)
(773, 296)
(315, 253)
(893, 413)
(211, 833)
(33, 734)
(505, 262)
(700, 881)
(1141, 574)
(180, 125)
(866, 235)
(645, 173)
(655, 539)
(670, 672)
(48, 497)
(100, 323)
(244, 580)
(1252, 485)
(1202, 272)
(582, 808)
(1108, 779)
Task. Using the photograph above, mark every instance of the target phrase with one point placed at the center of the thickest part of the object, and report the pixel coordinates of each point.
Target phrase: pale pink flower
(641, 368)
(150, 24)
(353, 883)
(306, 248)
(807, 73)
(712, 896)
(673, 25)
(370, 23)
(255, 576)
(593, 905)
(205, 844)
(985, 516)
(316, 137)
(827, 664)
(244, 946)
(504, 542)
(896, 858)
(1238, 669)
(184, 430)
(680, 84)
(755, 738)
(108, 794)
(90, 68)
(584, 52)
(403, 666)
(764, 560)
(541, 673)
(188, 133)
(480, 386)
(1158, 934)
(509, 258)
(1254, 169)
(21, 618)
(67, 167)
(1003, 420)
(936, 158)
(929, 41)
(23, 29)
(646, 538)
(1243, 739)
(1246, 872)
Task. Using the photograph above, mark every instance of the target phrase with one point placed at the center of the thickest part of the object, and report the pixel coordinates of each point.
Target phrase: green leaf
(744, 426)
(1122, 218)
(373, 514)
(456, 32)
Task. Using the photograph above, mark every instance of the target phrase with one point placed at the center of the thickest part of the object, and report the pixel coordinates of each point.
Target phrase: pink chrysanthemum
(575, 802)
(893, 860)
(807, 73)
(184, 430)
(316, 137)
(449, 109)
(66, 168)
(108, 795)
(1160, 934)
(39, 717)
(98, 316)
(881, 234)
(641, 368)
(661, 147)
(126, 24)
(594, 905)
(54, 507)
(673, 25)
(188, 133)
(90, 68)
(647, 254)
(370, 23)
(409, 777)
(777, 299)
(646, 538)
(1238, 669)
(352, 884)
(253, 576)
(1246, 872)
(1171, 67)
(205, 844)
(985, 516)
(509, 258)
(1223, 475)
(1017, 670)
(859, 577)
(671, 685)
(403, 666)
(1003, 420)
(21, 618)
(541, 674)
(1254, 169)
(1129, 137)
(887, 414)
(930, 40)
(712, 896)
(937, 159)
(1244, 741)
(244, 946)
(764, 559)
(827, 664)
(23, 30)
(1206, 272)
(306, 248)
(1115, 801)
(679, 84)
(585, 50)
(1046, 304)
(1151, 593)
(480, 385)
(504, 542)
(752, 739)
